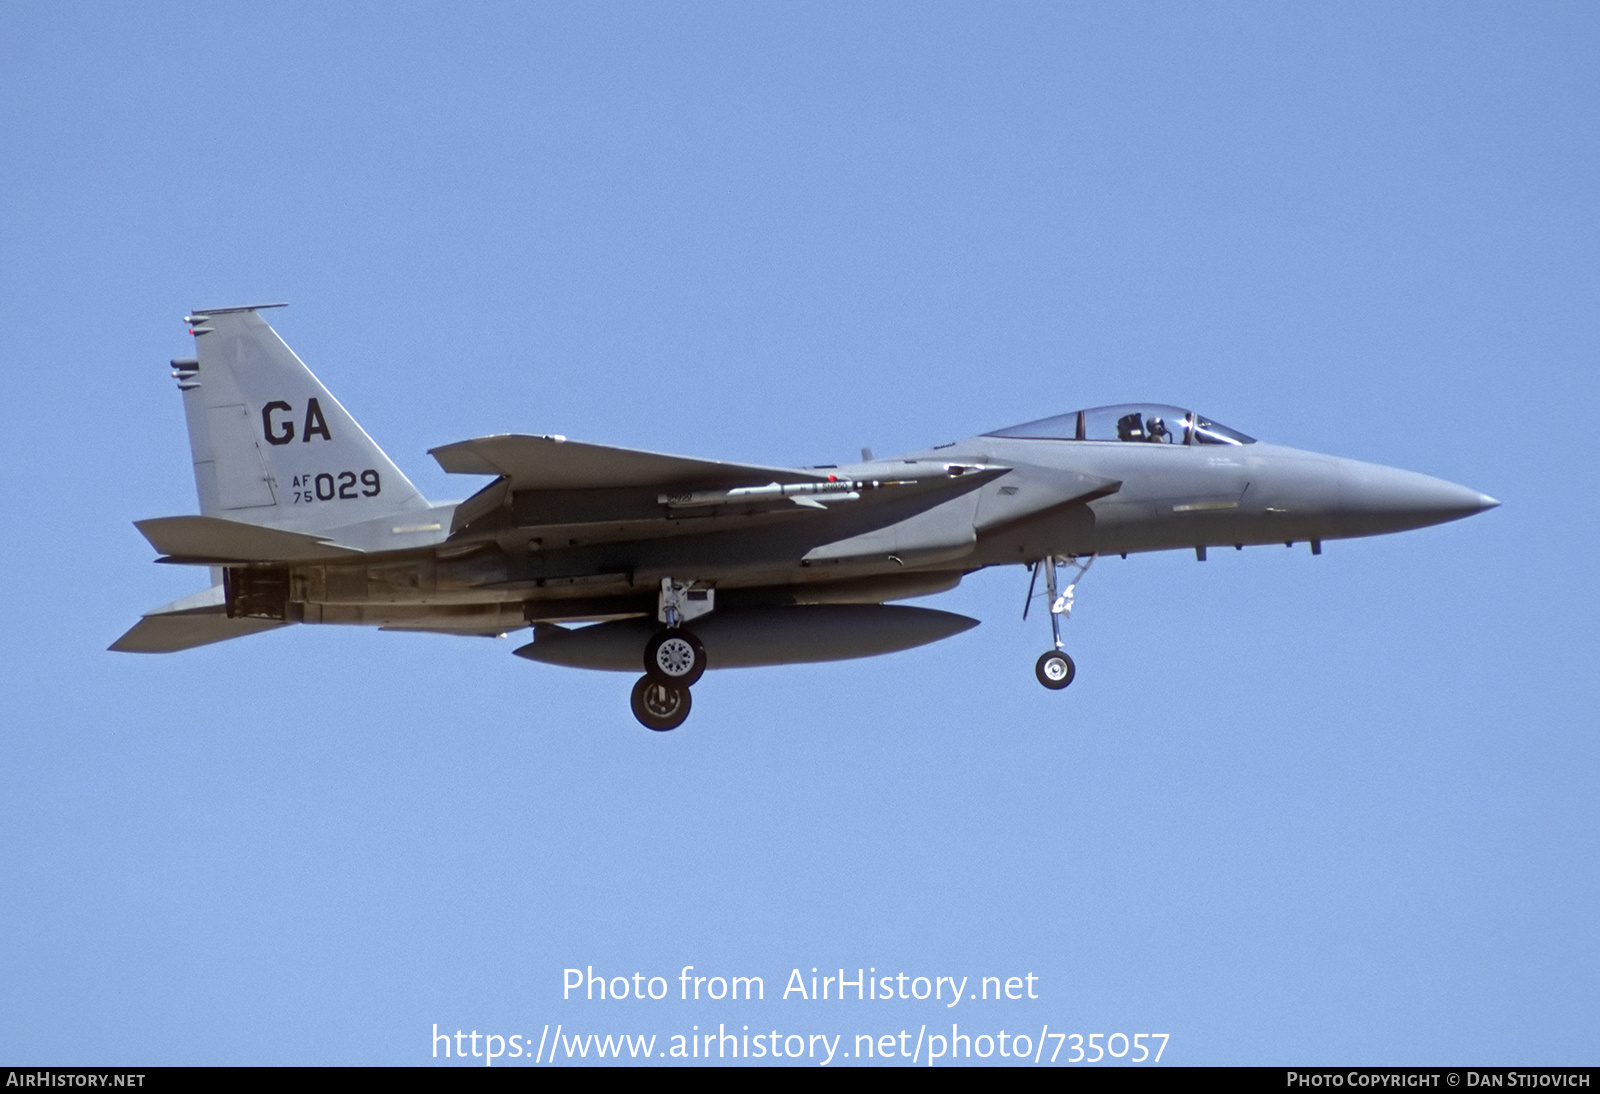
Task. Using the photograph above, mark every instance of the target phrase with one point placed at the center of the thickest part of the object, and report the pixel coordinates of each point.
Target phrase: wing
(555, 463)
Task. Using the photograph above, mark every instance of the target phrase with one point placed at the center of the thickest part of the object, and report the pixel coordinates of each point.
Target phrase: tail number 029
(336, 486)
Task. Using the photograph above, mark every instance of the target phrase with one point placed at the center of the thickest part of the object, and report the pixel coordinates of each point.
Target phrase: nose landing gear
(1054, 668)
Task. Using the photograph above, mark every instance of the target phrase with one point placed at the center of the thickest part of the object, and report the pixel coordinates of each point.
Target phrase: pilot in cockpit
(1162, 424)
(1136, 427)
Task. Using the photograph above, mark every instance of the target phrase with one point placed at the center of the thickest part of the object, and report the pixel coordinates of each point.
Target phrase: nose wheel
(660, 706)
(1054, 668)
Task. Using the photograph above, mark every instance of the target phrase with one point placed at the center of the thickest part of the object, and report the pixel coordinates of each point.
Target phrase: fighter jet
(666, 566)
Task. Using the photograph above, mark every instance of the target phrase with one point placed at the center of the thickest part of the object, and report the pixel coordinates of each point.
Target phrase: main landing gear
(673, 658)
(1054, 668)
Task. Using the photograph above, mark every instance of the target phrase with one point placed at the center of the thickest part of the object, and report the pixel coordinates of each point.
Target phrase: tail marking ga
(283, 432)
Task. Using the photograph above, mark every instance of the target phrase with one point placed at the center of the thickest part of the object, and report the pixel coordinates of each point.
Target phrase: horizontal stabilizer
(197, 620)
(213, 539)
(745, 638)
(555, 463)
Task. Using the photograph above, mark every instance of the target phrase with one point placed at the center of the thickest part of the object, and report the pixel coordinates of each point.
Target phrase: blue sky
(1294, 809)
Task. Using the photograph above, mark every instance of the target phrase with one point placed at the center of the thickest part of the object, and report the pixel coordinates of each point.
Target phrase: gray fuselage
(573, 555)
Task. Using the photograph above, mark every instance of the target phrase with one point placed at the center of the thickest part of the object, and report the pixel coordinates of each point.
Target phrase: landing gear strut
(1054, 668)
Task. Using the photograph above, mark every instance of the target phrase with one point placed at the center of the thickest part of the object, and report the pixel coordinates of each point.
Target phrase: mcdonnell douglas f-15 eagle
(666, 565)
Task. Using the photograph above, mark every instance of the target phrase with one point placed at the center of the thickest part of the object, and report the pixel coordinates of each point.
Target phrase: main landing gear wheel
(660, 706)
(675, 657)
(1055, 670)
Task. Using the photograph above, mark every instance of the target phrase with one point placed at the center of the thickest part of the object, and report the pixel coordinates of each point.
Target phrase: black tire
(675, 656)
(660, 706)
(1055, 670)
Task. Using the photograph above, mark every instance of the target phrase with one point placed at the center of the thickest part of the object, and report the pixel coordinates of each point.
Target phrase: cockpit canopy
(1143, 422)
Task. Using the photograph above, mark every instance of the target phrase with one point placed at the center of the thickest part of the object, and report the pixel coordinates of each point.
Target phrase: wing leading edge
(555, 463)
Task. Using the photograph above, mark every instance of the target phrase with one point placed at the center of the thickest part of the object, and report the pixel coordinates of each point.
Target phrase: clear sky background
(1294, 809)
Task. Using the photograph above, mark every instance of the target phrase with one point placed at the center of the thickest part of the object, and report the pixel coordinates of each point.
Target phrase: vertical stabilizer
(270, 444)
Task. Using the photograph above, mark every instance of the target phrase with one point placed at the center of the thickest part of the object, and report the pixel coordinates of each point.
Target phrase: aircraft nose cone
(1391, 499)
